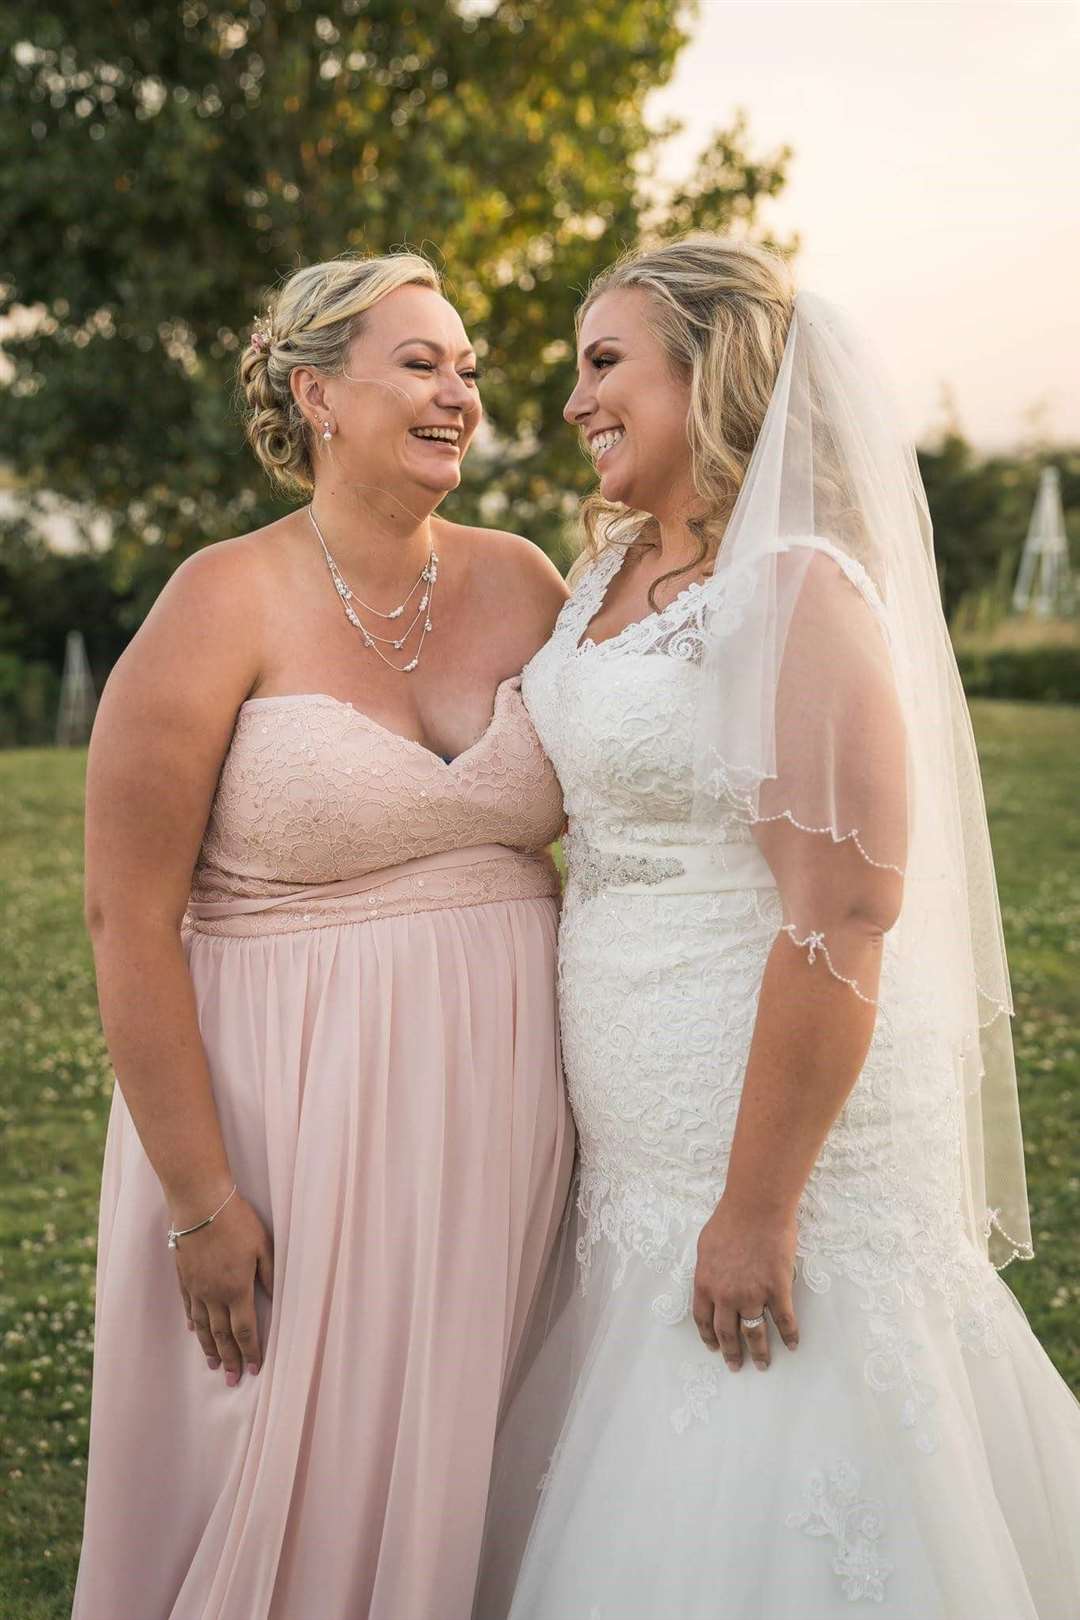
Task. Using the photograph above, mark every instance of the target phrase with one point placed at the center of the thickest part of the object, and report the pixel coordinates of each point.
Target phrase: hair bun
(321, 307)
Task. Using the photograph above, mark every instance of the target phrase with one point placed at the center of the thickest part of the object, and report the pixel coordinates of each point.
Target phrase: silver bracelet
(174, 1234)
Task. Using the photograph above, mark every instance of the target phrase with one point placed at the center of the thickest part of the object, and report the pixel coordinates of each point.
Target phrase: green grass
(55, 1085)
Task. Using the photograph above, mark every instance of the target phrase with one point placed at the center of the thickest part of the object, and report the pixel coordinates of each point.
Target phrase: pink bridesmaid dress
(371, 937)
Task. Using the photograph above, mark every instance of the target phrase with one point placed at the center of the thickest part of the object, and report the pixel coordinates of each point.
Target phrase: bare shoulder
(203, 636)
(514, 574)
(221, 576)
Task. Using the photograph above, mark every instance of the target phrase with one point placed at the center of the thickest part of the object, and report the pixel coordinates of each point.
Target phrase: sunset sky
(935, 185)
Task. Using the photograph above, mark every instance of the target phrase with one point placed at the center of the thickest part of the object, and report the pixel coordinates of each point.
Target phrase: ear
(308, 390)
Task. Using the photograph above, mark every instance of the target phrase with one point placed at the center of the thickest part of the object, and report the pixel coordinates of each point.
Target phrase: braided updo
(311, 321)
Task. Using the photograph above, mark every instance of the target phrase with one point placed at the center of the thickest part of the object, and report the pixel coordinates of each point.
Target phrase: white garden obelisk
(1043, 582)
(78, 700)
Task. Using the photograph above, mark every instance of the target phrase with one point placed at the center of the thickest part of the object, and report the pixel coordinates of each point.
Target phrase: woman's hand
(217, 1268)
(745, 1267)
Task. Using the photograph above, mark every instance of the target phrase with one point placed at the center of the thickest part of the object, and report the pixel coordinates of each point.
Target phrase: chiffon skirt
(392, 1106)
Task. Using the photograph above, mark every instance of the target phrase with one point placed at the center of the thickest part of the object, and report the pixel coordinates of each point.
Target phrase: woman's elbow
(111, 917)
(874, 908)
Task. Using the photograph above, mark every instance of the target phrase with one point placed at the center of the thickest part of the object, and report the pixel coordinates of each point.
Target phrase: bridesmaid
(323, 919)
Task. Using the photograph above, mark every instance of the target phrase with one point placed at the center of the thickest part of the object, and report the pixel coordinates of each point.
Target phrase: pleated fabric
(391, 1102)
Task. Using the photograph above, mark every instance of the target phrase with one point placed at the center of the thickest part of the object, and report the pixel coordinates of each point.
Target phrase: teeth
(605, 440)
(450, 435)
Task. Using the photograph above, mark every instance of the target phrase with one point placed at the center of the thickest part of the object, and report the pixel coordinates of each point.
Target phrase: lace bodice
(621, 691)
(313, 791)
(659, 991)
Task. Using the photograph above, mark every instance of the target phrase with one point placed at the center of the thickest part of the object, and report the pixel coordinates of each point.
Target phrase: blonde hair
(311, 321)
(721, 310)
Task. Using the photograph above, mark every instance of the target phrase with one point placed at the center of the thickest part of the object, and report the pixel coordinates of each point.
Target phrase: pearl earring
(327, 433)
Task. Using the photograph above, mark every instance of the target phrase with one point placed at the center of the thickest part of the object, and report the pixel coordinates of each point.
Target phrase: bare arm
(816, 1011)
(162, 731)
(522, 591)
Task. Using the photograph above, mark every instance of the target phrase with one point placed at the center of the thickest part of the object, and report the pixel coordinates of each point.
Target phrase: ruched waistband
(633, 867)
(460, 877)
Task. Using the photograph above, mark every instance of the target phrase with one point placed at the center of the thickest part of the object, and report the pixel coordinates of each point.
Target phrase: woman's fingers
(227, 1347)
(200, 1318)
(726, 1328)
(783, 1314)
(703, 1318)
(757, 1338)
(245, 1330)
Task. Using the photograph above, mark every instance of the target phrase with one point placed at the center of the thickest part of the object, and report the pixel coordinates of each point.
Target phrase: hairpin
(262, 335)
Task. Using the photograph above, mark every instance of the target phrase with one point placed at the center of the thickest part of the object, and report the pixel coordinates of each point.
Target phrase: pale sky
(935, 184)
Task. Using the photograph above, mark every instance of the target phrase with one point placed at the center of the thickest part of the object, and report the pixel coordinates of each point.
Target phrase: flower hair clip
(262, 335)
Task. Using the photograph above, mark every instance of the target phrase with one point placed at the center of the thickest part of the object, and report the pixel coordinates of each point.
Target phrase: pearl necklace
(426, 578)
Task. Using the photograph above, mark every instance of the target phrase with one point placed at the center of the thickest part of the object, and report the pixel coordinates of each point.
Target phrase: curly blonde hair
(721, 310)
(311, 321)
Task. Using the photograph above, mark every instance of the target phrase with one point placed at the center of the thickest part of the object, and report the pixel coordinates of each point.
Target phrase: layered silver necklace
(425, 583)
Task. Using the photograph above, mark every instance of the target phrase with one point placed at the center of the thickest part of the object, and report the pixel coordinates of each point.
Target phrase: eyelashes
(471, 374)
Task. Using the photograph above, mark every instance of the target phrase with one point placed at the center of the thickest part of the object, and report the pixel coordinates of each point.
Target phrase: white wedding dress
(918, 1456)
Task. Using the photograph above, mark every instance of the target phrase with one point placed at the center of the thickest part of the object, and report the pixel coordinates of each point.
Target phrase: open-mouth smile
(604, 440)
(438, 435)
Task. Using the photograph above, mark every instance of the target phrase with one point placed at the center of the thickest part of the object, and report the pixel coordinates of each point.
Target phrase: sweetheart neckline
(387, 731)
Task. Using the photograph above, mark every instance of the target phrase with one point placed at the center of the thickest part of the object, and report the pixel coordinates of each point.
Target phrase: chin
(438, 483)
(617, 490)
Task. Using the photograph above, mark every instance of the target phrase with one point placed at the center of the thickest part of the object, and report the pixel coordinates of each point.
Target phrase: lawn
(55, 1085)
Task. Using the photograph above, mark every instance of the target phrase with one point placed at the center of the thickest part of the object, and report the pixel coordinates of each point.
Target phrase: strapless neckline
(387, 731)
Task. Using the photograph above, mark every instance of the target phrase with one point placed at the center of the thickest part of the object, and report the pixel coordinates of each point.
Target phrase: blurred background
(165, 163)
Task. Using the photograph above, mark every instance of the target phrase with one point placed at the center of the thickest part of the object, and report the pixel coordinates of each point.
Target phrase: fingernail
(734, 1365)
(762, 1366)
(232, 1379)
(213, 1363)
(252, 1367)
(793, 1344)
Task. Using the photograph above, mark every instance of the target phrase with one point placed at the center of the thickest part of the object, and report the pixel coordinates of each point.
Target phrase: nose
(580, 406)
(454, 393)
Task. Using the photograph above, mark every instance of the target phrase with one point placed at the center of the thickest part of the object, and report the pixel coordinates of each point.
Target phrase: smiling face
(407, 405)
(631, 407)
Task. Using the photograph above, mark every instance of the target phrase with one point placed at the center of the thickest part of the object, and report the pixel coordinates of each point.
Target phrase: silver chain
(426, 578)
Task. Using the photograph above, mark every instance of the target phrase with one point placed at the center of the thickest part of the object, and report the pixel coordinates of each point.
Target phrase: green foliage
(1038, 674)
(165, 163)
(55, 1085)
(29, 696)
(981, 507)
(44, 594)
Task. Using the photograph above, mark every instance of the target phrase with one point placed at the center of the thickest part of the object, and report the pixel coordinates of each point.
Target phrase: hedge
(1025, 674)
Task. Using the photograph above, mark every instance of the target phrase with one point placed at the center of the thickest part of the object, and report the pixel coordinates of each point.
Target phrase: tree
(981, 506)
(166, 163)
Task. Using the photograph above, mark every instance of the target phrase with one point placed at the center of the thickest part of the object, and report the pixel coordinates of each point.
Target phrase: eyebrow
(595, 344)
(426, 343)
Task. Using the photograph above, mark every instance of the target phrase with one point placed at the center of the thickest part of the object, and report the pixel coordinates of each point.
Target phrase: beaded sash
(634, 867)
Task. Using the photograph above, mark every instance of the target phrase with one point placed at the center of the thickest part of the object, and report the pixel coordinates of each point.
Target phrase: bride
(785, 1019)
